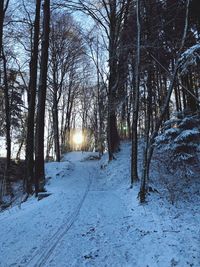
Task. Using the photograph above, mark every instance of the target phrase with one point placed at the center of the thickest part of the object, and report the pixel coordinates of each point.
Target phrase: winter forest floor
(93, 218)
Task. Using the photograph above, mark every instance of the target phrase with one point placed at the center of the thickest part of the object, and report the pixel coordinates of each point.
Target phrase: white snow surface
(189, 58)
(93, 218)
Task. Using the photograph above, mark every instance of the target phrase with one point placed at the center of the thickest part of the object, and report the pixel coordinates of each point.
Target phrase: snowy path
(30, 233)
(95, 223)
(94, 235)
(41, 257)
(93, 219)
(78, 217)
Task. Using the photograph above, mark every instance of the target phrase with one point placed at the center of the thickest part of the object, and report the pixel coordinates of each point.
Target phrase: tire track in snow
(42, 255)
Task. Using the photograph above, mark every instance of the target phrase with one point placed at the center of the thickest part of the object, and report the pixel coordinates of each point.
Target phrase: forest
(109, 89)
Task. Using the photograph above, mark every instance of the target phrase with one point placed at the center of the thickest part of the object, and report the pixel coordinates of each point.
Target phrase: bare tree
(66, 49)
(32, 102)
(3, 8)
(39, 139)
(134, 160)
(109, 15)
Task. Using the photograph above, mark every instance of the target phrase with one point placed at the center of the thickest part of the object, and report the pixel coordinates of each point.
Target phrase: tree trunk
(49, 142)
(8, 121)
(1, 25)
(55, 126)
(3, 8)
(99, 105)
(112, 133)
(134, 157)
(19, 150)
(31, 105)
(39, 153)
(143, 187)
(5, 81)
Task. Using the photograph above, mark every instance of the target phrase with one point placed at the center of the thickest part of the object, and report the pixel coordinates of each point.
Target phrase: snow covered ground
(93, 218)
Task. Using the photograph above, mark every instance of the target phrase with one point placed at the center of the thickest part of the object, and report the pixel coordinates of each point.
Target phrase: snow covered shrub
(177, 149)
(181, 139)
(190, 58)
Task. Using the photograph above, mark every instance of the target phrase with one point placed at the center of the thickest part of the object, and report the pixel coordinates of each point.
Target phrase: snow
(2, 147)
(190, 57)
(186, 134)
(93, 218)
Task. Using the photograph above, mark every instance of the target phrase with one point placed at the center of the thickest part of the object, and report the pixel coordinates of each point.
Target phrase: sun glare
(78, 138)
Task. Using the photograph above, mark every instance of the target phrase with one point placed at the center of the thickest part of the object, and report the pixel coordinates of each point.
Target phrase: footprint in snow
(91, 255)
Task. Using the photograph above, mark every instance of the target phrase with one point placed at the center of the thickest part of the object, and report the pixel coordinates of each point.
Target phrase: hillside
(93, 218)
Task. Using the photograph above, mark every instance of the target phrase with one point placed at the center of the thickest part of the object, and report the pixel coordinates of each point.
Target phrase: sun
(78, 138)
